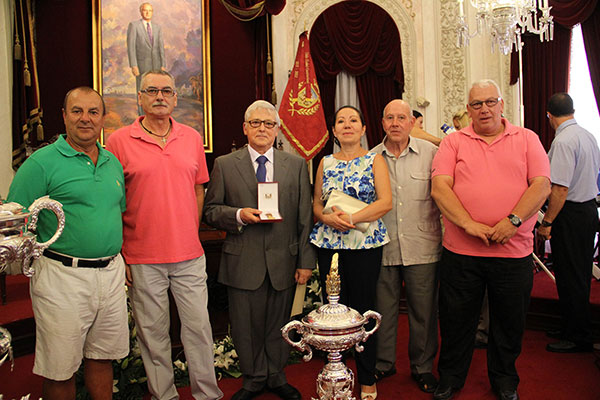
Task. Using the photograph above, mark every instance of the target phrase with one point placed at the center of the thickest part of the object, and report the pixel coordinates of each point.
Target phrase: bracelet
(546, 223)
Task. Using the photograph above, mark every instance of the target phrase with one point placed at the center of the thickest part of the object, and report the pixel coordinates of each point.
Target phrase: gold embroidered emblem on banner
(302, 104)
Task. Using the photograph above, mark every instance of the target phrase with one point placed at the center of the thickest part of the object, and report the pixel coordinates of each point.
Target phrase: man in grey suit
(145, 47)
(261, 262)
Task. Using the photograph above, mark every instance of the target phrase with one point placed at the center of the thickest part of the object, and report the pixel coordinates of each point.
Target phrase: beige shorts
(79, 312)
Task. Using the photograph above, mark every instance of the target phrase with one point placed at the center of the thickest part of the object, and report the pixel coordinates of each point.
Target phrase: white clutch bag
(346, 203)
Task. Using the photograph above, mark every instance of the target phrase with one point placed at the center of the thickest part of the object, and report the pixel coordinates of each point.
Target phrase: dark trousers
(572, 241)
(359, 271)
(257, 317)
(463, 281)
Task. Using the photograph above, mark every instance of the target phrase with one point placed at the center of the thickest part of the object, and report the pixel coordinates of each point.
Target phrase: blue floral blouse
(355, 178)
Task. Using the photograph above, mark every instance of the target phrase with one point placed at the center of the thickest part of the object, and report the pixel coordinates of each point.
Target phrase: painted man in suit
(261, 262)
(145, 47)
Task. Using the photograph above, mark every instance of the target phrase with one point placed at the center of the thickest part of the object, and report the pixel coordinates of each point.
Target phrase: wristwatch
(546, 223)
(516, 221)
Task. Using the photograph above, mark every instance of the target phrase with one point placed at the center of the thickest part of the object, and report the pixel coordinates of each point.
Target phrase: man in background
(145, 48)
(261, 262)
(78, 289)
(571, 223)
(418, 132)
(414, 249)
(165, 172)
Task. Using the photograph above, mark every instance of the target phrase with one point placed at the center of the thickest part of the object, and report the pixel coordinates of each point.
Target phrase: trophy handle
(300, 345)
(372, 315)
(54, 206)
(36, 249)
(377, 317)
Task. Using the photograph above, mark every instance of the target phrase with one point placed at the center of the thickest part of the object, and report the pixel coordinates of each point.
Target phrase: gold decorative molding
(453, 65)
(408, 4)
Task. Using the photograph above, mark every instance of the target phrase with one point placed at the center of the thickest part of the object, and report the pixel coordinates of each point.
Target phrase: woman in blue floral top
(362, 175)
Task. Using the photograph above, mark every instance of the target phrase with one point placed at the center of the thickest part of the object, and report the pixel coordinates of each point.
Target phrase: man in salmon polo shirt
(165, 172)
(489, 180)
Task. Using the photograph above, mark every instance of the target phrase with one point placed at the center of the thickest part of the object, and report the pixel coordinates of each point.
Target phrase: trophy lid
(334, 316)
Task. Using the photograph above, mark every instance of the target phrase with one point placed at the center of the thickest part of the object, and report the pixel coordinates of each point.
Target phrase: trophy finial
(333, 281)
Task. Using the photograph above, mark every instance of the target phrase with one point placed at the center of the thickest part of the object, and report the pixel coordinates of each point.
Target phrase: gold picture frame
(184, 29)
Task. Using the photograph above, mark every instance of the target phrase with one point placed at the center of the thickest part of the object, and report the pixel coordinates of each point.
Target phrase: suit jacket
(141, 54)
(257, 249)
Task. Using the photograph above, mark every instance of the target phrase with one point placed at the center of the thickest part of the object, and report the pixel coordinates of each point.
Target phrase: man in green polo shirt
(78, 289)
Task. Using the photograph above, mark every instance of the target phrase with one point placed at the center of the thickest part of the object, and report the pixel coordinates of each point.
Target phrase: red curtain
(262, 73)
(256, 13)
(27, 112)
(540, 81)
(362, 39)
(569, 13)
(590, 28)
(246, 10)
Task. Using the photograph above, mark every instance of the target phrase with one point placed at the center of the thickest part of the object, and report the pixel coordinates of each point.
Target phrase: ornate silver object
(6, 348)
(17, 242)
(333, 328)
(506, 21)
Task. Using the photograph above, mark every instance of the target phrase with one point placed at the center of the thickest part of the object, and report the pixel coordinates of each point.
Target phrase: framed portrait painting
(133, 37)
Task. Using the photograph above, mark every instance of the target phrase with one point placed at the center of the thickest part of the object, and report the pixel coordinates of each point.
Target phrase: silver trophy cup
(333, 328)
(18, 243)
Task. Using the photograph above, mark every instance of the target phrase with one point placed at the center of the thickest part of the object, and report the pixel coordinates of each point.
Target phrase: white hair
(264, 105)
(483, 83)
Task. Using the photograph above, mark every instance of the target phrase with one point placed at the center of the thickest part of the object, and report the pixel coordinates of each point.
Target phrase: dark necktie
(261, 171)
(149, 30)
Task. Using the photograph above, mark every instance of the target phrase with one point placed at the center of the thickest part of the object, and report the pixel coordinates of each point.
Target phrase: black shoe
(244, 394)
(443, 392)
(286, 392)
(508, 395)
(426, 382)
(566, 346)
(379, 375)
(554, 333)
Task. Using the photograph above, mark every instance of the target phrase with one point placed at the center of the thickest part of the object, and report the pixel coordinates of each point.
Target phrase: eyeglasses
(476, 105)
(152, 91)
(255, 123)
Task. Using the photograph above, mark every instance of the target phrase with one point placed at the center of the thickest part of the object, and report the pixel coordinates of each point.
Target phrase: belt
(78, 262)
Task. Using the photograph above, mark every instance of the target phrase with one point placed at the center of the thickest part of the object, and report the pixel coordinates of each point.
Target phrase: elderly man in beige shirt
(413, 251)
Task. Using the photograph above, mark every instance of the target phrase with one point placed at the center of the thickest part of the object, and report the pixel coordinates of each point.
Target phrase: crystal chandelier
(505, 21)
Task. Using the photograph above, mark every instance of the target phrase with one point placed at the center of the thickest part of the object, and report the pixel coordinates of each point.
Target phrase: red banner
(301, 111)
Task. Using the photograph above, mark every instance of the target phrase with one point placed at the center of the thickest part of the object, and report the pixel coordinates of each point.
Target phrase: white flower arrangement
(313, 293)
(226, 358)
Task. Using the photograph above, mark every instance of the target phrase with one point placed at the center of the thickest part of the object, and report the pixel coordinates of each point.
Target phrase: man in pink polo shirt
(489, 180)
(165, 172)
